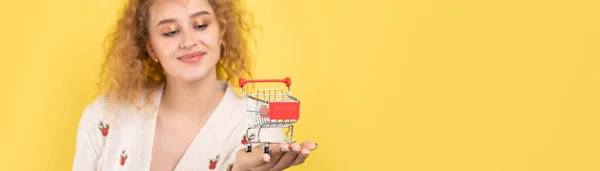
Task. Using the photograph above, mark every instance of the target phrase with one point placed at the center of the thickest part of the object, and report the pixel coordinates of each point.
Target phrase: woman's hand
(280, 157)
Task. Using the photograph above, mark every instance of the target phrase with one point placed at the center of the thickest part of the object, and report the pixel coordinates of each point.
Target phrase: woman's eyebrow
(199, 14)
(171, 20)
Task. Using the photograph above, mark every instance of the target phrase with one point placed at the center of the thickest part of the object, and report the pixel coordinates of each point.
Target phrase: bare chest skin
(172, 138)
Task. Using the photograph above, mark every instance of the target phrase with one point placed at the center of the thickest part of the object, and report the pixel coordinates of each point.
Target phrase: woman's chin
(192, 74)
(192, 77)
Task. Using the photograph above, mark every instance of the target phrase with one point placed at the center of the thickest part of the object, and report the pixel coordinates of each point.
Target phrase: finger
(287, 158)
(306, 148)
(276, 152)
(301, 157)
(309, 145)
(253, 159)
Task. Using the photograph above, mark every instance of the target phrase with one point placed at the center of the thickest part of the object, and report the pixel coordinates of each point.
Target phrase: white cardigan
(108, 140)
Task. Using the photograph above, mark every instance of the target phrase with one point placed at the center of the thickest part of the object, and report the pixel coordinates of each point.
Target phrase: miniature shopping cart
(270, 108)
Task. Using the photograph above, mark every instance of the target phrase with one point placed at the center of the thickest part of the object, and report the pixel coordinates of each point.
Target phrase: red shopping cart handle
(286, 80)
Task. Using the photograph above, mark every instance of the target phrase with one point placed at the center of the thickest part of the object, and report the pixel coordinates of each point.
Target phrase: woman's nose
(188, 40)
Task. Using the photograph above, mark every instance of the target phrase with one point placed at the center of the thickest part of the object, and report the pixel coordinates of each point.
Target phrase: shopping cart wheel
(249, 148)
(266, 148)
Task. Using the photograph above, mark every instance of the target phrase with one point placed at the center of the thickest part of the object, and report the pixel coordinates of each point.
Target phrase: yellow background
(419, 85)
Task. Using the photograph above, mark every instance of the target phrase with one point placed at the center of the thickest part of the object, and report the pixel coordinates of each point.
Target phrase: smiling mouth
(192, 57)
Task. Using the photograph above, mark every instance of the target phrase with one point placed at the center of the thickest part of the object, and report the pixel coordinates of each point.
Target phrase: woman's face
(184, 38)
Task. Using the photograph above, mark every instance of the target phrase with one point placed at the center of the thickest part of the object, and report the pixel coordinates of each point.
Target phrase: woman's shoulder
(91, 131)
(104, 105)
(101, 112)
(97, 120)
(95, 109)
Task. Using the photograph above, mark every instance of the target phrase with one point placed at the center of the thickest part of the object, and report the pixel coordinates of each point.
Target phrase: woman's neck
(191, 100)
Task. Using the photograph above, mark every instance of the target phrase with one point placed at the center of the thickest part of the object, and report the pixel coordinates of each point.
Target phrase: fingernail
(296, 149)
(266, 159)
(305, 154)
(285, 149)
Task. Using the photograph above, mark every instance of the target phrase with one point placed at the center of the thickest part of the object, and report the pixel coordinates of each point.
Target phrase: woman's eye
(201, 27)
(171, 33)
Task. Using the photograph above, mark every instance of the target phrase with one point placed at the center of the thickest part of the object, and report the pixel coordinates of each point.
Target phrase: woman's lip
(192, 57)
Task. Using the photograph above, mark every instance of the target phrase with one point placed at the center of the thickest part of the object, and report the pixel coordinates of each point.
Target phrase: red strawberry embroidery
(104, 128)
(213, 162)
(245, 139)
(123, 157)
(264, 111)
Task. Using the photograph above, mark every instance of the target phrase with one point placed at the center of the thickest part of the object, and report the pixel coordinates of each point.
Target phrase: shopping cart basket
(270, 108)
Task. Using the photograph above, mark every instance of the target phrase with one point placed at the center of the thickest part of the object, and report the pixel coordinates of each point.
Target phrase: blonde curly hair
(128, 70)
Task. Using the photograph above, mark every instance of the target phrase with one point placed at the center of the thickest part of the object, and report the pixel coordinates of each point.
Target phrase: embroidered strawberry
(104, 128)
(123, 157)
(264, 111)
(213, 162)
(245, 139)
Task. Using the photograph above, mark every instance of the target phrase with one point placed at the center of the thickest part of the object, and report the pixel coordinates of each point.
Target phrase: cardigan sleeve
(90, 137)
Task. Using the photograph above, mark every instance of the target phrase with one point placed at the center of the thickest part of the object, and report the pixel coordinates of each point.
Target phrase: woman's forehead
(178, 8)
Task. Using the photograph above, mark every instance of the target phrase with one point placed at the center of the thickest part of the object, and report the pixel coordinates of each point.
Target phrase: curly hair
(128, 71)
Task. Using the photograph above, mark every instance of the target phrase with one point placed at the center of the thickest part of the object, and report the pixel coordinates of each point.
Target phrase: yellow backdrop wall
(420, 85)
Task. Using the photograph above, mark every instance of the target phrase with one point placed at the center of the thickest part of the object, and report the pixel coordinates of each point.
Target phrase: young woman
(169, 102)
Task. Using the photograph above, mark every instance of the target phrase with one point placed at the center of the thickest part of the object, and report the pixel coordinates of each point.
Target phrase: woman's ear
(150, 51)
